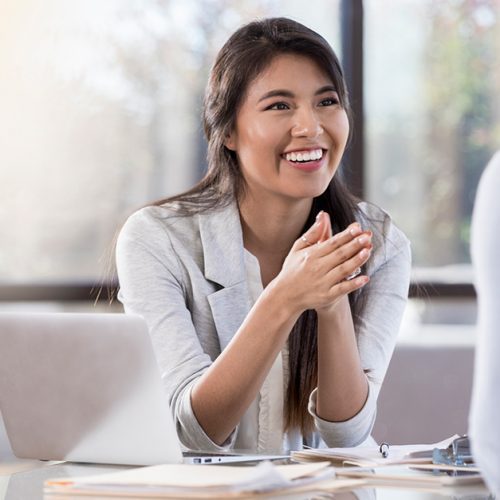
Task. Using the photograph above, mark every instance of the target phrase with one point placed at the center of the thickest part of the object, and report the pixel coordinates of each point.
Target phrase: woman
(267, 335)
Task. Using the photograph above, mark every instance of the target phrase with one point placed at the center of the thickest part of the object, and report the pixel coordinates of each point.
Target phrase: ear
(230, 141)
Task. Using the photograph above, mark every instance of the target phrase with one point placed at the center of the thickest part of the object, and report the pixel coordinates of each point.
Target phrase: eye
(329, 101)
(279, 106)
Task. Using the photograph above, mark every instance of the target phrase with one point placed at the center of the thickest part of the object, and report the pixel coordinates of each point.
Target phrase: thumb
(315, 233)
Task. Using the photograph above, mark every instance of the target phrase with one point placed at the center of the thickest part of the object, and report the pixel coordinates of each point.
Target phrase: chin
(306, 193)
(314, 189)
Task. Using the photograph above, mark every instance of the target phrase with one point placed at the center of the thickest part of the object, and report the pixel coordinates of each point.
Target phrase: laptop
(85, 387)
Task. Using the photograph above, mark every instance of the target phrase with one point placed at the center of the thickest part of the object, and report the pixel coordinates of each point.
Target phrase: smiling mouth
(304, 156)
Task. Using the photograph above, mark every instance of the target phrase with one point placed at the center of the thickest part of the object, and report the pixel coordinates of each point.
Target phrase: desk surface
(24, 481)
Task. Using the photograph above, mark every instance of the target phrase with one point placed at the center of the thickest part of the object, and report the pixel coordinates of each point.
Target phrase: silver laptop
(87, 388)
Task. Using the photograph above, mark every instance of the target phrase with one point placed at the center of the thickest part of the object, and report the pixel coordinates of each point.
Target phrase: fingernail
(362, 239)
(364, 253)
(355, 230)
(319, 213)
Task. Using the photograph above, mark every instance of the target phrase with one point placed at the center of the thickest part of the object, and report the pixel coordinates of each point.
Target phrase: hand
(314, 274)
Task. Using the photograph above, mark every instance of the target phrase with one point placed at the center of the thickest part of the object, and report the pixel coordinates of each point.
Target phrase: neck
(270, 228)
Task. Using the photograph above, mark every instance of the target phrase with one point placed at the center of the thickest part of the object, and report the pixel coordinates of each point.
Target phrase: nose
(306, 124)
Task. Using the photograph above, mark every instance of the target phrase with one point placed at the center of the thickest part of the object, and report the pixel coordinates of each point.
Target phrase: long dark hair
(246, 54)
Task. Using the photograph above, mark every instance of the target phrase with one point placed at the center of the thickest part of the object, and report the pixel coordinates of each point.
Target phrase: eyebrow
(288, 93)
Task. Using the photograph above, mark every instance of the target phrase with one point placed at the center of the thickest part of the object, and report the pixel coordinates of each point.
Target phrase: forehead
(292, 72)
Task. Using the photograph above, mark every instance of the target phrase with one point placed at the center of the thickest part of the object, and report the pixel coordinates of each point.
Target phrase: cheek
(260, 137)
(342, 125)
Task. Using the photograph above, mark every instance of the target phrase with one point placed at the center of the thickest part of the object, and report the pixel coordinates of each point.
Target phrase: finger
(339, 239)
(312, 235)
(346, 287)
(344, 245)
(327, 231)
(349, 267)
(352, 231)
(355, 273)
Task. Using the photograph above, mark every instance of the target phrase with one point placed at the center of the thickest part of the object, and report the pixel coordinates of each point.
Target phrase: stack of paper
(412, 476)
(185, 481)
(404, 466)
(366, 456)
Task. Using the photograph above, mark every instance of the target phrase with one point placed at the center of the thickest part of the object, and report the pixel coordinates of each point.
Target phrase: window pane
(432, 86)
(100, 114)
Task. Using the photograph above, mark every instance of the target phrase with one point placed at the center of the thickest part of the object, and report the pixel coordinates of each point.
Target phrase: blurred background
(100, 104)
(100, 113)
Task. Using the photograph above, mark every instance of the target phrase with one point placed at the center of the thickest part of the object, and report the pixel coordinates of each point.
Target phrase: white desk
(28, 485)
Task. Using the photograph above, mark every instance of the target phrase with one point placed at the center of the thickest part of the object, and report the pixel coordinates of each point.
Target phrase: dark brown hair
(246, 54)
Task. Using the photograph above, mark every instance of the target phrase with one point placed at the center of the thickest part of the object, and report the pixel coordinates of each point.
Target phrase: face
(290, 130)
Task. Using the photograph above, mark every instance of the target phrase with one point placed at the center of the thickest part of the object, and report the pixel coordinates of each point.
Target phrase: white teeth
(315, 154)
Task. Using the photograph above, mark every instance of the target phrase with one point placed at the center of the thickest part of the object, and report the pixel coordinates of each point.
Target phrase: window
(101, 108)
(431, 86)
(101, 115)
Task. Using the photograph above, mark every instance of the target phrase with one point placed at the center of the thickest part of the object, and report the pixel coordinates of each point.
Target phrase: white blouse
(265, 415)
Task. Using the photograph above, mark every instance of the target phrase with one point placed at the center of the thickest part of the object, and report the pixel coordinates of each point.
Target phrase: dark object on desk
(458, 453)
(454, 459)
(384, 450)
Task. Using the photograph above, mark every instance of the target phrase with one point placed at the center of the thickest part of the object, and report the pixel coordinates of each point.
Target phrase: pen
(384, 450)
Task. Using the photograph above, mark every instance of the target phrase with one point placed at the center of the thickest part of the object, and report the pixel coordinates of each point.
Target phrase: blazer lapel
(224, 264)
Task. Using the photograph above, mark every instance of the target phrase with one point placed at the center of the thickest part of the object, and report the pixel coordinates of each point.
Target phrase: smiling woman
(281, 123)
(267, 334)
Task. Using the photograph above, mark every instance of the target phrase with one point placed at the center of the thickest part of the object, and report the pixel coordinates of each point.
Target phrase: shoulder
(155, 220)
(175, 217)
(174, 228)
(487, 199)
(388, 239)
(492, 171)
(158, 232)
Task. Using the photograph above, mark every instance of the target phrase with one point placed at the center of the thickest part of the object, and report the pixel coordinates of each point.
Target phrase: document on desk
(185, 481)
(413, 475)
(366, 456)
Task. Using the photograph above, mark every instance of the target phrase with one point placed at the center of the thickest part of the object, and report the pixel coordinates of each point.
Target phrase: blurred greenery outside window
(101, 105)
(432, 121)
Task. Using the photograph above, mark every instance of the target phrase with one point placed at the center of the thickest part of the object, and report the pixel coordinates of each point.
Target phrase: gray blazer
(186, 276)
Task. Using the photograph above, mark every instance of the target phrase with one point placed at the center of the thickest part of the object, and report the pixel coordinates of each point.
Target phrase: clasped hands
(318, 271)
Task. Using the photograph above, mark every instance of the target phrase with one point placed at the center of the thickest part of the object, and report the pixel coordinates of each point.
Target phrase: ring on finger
(353, 274)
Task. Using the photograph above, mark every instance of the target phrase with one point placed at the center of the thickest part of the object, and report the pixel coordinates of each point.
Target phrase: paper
(365, 456)
(196, 480)
(409, 476)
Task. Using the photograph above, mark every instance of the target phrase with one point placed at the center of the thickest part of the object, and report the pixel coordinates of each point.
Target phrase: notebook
(86, 388)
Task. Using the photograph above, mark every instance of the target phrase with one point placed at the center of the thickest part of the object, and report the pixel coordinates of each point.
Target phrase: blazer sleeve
(152, 285)
(381, 304)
